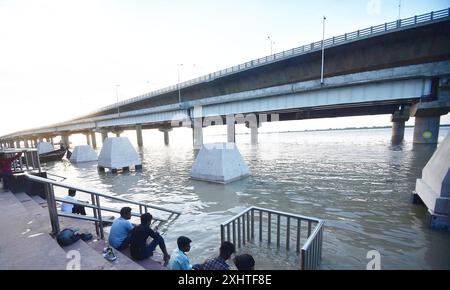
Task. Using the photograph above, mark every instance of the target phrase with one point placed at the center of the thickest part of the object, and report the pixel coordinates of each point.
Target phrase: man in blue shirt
(119, 237)
(181, 260)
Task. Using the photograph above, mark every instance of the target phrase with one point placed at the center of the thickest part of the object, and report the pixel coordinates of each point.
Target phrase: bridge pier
(166, 131)
(17, 143)
(25, 143)
(88, 139)
(231, 129)
(140, 141)
(65, 140)
(197, 128)
(104, 135)
(398, 120)
(93, 140)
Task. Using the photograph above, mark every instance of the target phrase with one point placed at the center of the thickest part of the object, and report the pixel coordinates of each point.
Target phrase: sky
(61, 59)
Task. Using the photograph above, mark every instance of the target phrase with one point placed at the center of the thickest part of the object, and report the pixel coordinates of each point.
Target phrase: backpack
(67, 237)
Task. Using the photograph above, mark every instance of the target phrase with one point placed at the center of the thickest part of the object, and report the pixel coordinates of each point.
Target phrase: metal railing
(290, 229)
(96, 207)
(29, 161)
(333, 41)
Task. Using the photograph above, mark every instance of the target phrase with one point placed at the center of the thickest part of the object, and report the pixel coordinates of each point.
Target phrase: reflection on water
(355, 180)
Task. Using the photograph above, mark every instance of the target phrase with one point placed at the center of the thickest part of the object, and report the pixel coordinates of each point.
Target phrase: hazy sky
(60, 59)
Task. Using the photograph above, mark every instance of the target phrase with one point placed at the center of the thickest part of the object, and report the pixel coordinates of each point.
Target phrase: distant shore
(331, 129)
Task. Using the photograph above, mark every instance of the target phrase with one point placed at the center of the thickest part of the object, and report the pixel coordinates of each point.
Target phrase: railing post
(97, 230)
(243, 229)
(99, 211)
(385, 26)
(253, 225)
(432, 16)
(415, 19)
(278, 230)
(288, 229)
(248, 226)
(228, 232)
(234, 232)
(269, 230)
(222, 234)
(299, 221)
(345, 36)
(239, 231)
(260, 225)
(302, 257)
(309, 228)
(52, 210)
(371, 29)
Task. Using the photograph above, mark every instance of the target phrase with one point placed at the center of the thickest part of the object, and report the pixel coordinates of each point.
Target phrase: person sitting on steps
(72, 208)
(180, 260)
(139, 248)
(120, 234)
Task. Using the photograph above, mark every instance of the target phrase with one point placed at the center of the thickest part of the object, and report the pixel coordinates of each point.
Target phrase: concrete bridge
(400, 68)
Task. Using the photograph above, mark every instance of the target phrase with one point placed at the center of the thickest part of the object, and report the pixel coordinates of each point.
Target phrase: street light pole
(271, 43)
(179, 88)
(117, 99)
(399, 9)
(323, 51)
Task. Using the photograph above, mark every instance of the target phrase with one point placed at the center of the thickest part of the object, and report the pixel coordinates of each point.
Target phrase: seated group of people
(123, 234)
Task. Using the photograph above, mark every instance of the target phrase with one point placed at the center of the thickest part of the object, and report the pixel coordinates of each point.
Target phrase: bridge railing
(97, 206)
(260, 224)
(335, 40)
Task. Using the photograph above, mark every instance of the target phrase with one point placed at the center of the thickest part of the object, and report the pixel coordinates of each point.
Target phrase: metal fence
(283, 229)
(97, 208)
(333, 41)
(28, 162)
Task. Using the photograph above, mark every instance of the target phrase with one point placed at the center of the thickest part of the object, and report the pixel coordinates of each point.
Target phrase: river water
(355, 180)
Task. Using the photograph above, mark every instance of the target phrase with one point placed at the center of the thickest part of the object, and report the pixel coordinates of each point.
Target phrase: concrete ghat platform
(27, 245)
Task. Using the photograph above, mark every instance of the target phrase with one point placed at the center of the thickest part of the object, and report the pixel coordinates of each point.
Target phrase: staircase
(25, 243)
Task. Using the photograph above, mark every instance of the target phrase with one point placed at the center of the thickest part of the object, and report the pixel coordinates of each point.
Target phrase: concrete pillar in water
(65, 140)
(104, 135)
(197, 130)
(398, 120)
(140, 141)
(88, 139)
(231, 129)
(93, 140)
(426, 130)
(166, 131)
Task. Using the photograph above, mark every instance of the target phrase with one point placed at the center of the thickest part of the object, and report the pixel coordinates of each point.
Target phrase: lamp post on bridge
(323, 50)
(117, 98)
(179, 88)
(271, 44)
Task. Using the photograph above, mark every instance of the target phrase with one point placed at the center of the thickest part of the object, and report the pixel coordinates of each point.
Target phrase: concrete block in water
(434, 186)
(44, 147)
(219, 163)
(117, 153)
(83, 153)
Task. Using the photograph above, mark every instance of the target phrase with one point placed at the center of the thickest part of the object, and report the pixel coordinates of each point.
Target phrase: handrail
(30, 156)
(66, 185)
(95, 205)
(241, 228)
(333, 41)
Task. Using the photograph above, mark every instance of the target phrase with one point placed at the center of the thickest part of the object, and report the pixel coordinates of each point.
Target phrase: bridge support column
(197, 129)
(166, 131)
(398, 120)
(88, 139)
(17, 143)
(426, 130)
(104, 135)
(65, 140)
(140, 141)
(93, 140)
(231, 129)
(25, 143)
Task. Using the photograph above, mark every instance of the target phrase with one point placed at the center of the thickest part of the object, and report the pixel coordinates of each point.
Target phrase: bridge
(400, 68)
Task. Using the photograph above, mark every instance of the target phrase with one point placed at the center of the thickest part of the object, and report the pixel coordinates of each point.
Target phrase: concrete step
(39, 200)
(123, 262)
(89, 258)
(24, 244)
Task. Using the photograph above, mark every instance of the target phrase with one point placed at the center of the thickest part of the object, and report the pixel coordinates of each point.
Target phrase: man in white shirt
(72, 208)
